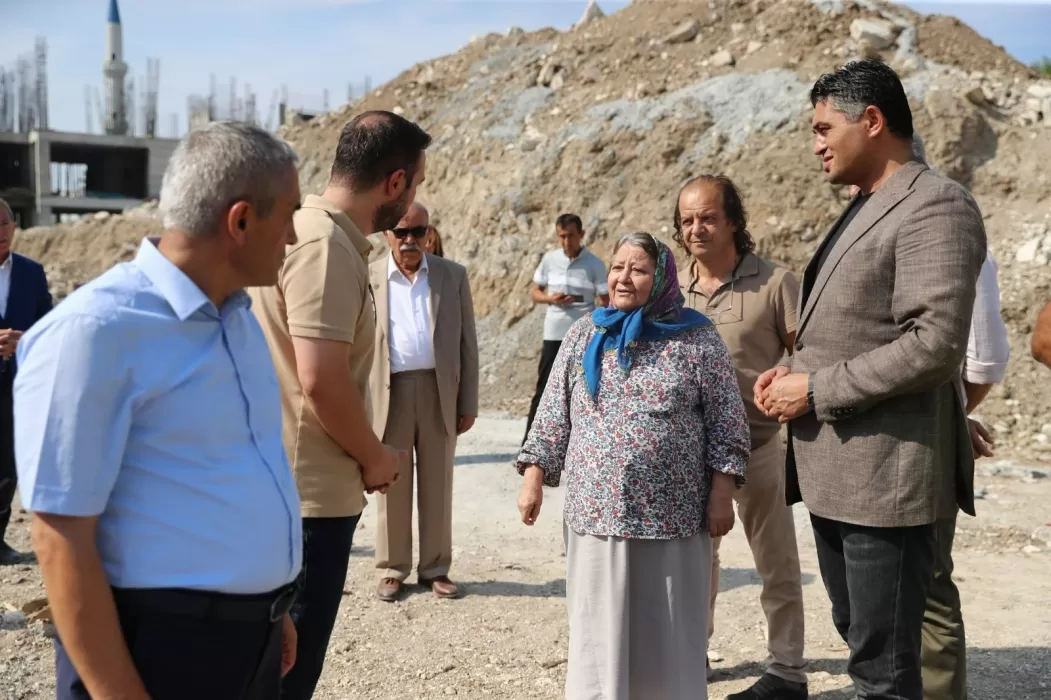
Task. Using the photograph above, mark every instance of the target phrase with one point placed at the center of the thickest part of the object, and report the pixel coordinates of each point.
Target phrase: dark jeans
(8, 475)
(180, 657)
(877, 579)
(547, 361)
(326, 555)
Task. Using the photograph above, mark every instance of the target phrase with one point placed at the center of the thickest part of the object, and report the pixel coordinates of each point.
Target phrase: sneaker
(771, 687)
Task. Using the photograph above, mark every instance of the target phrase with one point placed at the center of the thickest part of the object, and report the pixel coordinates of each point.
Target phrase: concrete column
(42, 173)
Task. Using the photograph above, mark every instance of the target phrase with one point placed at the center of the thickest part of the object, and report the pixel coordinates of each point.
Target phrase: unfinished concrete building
(46, 174)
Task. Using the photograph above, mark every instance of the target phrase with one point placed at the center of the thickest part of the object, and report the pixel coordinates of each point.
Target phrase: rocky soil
(507, 638)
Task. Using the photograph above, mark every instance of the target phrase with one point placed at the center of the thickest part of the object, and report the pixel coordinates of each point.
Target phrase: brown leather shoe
(441, 586)
(388, 589)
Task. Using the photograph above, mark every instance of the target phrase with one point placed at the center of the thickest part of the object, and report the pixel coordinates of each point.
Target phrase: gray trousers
(638, 617)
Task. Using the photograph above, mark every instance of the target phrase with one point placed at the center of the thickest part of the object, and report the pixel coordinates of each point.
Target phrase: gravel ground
(507, 637)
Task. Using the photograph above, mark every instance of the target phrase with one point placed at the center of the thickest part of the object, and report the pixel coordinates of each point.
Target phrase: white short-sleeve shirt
(584, 275)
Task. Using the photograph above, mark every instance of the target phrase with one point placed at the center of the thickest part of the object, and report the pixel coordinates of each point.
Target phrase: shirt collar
(7, 263)
(747, 267)
(580, 253)
(354, 234)
(392, 267)
(185, 297)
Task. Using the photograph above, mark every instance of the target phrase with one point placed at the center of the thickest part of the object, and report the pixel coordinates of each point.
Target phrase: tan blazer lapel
(378, 274)
(897, 188)
(436, 283)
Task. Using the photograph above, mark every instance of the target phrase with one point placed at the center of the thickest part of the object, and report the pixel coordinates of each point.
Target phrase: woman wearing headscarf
(644, 415)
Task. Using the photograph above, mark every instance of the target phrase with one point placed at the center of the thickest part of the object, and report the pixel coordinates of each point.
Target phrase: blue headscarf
(662, 316)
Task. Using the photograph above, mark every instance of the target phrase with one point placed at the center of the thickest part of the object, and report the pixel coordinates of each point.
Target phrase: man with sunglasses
(424, 386)
(752, 303)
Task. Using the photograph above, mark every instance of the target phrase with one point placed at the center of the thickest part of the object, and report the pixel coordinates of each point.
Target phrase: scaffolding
(24, 92)
(150, 97)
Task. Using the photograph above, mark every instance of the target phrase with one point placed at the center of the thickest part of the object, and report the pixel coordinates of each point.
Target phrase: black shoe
(771, 687)
(12, 557)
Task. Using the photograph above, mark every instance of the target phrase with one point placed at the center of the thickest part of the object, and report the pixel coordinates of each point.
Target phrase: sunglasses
(415, 232)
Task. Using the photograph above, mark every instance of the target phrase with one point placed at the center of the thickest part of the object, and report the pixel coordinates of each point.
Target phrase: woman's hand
(721, 504)
(531, 496)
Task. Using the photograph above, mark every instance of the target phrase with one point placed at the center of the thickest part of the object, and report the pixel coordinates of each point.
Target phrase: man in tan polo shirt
(752, 303)
(320, 322)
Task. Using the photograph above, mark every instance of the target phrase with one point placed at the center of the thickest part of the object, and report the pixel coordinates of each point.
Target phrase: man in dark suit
(24, 299)
(879, 447)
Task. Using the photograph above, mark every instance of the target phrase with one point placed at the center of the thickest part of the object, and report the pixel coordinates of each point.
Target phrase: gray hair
(420, 208)
(917, 147)
(217, 165)
(643, 240)
(7, 207)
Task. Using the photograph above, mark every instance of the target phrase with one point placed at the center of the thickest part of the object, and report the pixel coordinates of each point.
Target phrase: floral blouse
(638, 456)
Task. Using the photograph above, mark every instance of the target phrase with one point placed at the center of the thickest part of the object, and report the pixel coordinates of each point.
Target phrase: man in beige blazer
(879, 447)
(424, 386)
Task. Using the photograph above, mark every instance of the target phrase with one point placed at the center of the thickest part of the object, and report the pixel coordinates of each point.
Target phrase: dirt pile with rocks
(607, 119)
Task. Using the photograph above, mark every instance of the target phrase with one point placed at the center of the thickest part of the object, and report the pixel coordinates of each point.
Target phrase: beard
(390, 213)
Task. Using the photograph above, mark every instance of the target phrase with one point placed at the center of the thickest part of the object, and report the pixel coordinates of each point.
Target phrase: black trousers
(877, 580)
(326, 555)
(180, 657)
(8, 475)
(547, 361)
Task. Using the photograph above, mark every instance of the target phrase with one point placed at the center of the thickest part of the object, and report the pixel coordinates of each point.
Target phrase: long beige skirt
(638, 617)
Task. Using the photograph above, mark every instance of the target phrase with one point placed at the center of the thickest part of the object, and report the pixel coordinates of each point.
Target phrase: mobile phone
(578, 298)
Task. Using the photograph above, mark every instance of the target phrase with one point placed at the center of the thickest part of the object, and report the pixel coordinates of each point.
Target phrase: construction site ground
(507, 638)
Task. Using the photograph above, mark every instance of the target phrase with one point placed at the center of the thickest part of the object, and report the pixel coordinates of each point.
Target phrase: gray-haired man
(148, 437)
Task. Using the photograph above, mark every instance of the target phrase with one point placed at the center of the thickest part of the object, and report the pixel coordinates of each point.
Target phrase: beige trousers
(770, 530)
(415, 424)
(637, 617)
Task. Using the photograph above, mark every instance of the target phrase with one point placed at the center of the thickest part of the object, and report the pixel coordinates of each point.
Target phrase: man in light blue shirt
(148, 444)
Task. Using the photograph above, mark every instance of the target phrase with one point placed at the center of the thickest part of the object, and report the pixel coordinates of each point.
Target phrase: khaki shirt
(322, 292)
(754, 312)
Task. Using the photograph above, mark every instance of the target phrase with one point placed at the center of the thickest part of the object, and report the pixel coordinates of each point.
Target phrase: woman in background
(432, 242)
(644, 414)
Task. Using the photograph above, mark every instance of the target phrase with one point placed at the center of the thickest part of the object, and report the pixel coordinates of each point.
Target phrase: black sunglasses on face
(415, 232)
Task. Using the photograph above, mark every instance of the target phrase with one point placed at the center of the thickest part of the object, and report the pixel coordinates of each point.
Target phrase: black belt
(265, 607)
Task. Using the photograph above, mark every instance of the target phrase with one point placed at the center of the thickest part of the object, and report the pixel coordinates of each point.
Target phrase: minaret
(114, 69)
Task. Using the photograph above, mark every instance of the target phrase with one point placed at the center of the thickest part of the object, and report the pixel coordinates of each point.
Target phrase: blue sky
(313, 45)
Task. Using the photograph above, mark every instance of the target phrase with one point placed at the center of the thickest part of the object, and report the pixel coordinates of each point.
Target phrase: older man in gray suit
(424, 388)
(878, 439)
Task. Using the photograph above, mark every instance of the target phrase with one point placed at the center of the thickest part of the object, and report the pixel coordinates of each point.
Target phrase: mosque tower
(114, 69)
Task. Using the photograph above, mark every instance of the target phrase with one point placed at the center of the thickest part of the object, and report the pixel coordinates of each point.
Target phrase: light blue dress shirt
(138, 401)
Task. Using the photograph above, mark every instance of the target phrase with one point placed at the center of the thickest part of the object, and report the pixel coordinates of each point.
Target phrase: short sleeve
(600, 277)
(73, 410)
(540, 275)
(988, 350)
(323, 291)
(785, 304)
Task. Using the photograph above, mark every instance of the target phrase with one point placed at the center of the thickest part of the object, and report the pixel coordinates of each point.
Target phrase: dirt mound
(608, 119)
(73, 254)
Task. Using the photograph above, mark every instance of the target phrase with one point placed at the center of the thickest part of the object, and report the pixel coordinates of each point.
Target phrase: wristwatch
(810, 391)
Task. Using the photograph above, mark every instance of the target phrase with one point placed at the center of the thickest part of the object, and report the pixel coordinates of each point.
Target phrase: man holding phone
(569, 279)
